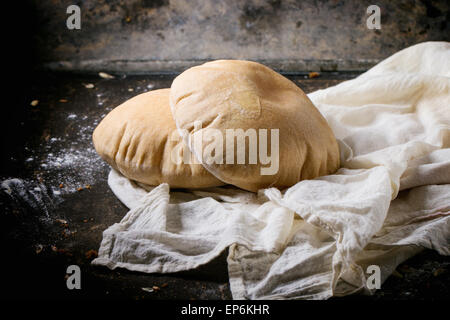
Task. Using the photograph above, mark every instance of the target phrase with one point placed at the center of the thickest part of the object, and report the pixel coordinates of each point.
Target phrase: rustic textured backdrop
(169, 35)
(47, 145)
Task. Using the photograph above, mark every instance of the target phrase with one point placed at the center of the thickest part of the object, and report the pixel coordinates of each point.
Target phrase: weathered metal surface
(142, 36)
(47, 223)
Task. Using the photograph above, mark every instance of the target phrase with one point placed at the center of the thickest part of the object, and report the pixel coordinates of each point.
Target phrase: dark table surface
(55, 201)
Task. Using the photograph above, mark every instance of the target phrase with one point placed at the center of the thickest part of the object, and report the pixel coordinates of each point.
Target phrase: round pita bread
(249, 100)
(140, 140)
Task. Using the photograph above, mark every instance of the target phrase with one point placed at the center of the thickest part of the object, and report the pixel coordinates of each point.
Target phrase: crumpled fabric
(316, 239)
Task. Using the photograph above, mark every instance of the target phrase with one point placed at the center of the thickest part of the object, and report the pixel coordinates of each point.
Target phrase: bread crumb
(63, 222)
(39, 248)
(105, 75)
(91, 254)
(439, 271)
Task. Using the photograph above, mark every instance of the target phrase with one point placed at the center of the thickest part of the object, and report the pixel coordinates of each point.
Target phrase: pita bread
(231, 95)
(138, 138)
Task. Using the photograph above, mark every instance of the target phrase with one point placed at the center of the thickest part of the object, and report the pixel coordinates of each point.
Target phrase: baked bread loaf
(249, 100)
(139, 139)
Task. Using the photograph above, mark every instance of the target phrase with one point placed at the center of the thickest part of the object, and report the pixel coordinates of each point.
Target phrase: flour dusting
(71, 162)
(65, 161)
(30, 194)
(63, 164)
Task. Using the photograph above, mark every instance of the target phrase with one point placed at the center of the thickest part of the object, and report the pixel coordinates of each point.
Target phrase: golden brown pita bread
(234, 94)
(136, 139)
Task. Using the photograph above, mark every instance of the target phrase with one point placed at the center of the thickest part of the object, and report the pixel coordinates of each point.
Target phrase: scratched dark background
(145, 44)
(163, 35)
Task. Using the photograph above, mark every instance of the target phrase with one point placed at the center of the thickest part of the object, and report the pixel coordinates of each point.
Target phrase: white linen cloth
(390, 199)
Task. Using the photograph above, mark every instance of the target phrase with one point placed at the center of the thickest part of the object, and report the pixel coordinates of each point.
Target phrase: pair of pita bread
(224, 122)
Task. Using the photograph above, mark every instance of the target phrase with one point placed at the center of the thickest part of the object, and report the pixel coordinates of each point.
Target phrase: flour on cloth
(390, 199)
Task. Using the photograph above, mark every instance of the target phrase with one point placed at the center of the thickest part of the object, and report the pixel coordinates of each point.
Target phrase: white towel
(390, 199)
